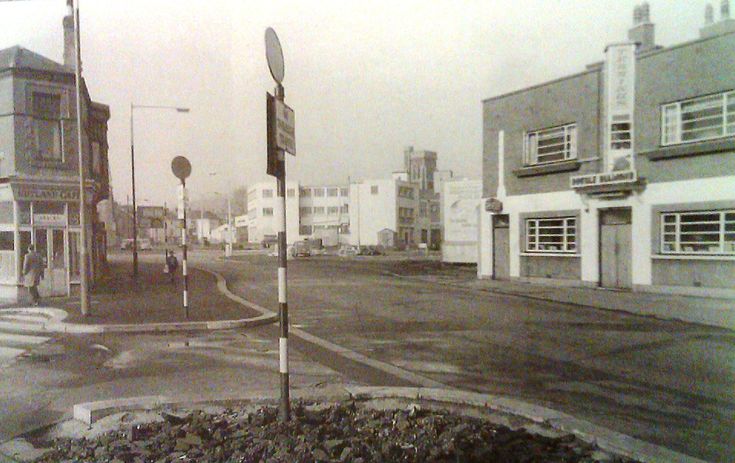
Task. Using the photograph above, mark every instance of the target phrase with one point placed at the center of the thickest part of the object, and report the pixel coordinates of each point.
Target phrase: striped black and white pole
(285, 408)
(183, 246)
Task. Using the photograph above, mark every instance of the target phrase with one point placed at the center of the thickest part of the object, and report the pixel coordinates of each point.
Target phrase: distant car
(348, 250)
(300, 249)
(144, 244)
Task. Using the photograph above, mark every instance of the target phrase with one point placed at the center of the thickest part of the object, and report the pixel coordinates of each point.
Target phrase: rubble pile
(338, 433)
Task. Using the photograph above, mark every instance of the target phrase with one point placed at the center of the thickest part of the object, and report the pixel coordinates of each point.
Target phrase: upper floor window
(555, 235)
(306, 192)
(267, 211)
(319, 210)
(343, 192)
(319, 192)
(305, 211)
(700, 232)
(268, 193)
(333, 210)
(47, 125)
(374, 189)
(332, 191)
(551, 145)
(702, 118)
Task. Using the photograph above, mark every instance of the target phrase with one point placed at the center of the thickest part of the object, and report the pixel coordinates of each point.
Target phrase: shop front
(46, 215)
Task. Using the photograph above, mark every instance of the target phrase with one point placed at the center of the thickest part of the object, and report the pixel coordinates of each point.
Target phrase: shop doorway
(615, 248)
(501, 247)
(50, 244)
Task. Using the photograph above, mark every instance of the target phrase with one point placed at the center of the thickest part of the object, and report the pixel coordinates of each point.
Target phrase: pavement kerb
(658, 316)
(606, 439)
(57, 325)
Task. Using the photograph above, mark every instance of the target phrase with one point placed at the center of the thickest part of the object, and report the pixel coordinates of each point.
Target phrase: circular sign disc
(181, 167)
(274, 55)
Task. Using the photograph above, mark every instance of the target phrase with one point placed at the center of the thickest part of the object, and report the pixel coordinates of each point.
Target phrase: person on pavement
(32, 273)
(172, 263)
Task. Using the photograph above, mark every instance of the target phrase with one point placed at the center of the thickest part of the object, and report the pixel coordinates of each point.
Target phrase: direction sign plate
(285, 128)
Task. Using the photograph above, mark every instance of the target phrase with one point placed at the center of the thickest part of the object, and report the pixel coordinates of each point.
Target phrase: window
(268, 193)
(319, 210)
(423, 208)
(333, 210)
(344, 228)
(343, 192)
(47, 125)
(332, 191)
(305, 230)
(305, 192)
(345, 209)
(557, 235)
(700, 232)
(267, 211)
(620, 136)
(373, 189)
(551, 145)
(405, 192)
(319, 192)
(700, 118)
(305, 211)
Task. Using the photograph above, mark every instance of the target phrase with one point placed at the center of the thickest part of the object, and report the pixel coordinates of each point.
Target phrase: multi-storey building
(384, 211)
(619, 176)
(39, 168)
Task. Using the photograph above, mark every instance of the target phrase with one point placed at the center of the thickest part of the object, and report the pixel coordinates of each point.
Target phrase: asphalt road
(665, 382)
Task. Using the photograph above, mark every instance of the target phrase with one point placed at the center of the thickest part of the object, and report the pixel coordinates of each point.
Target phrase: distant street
(665, 382)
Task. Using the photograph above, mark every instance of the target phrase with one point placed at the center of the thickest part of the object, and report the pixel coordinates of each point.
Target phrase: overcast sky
(365, 79)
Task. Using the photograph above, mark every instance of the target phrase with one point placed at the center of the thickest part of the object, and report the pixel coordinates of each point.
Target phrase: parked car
(300, 249)
(347, 250)
(144, 244)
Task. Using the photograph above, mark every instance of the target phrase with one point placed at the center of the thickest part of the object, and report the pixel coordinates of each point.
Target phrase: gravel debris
(339, 433)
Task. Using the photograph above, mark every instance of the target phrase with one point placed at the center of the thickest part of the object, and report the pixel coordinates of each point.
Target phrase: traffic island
(351, 430)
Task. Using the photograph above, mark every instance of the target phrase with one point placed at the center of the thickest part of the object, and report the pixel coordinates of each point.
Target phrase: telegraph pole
(83, 254)
(281, 139)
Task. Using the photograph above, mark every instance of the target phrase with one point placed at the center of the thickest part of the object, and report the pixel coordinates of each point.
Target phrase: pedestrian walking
(32, 273)
(172, 263)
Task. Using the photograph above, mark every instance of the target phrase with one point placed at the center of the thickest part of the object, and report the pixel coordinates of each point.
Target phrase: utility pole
(83, 254)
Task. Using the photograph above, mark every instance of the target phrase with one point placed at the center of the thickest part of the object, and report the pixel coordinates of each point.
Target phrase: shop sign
(241, 221)
(49, 219)
(32, 192)
(153, 212)
(620, 103)
(494, 205)
(608, 178)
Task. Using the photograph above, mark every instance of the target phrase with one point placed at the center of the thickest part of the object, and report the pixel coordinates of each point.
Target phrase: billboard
(620, 99)
(461, 201)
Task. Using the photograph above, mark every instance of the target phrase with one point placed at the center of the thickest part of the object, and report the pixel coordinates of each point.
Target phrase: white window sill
(692, 257)
(550, 254)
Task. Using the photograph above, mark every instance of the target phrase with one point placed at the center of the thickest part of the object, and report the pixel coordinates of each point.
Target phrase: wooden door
(501, 247)
(615, 252)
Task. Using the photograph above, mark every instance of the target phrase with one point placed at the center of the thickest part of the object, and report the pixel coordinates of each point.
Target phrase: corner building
(620, 176)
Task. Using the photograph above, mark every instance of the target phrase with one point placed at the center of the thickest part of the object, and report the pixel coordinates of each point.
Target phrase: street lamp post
(228, 235)
(132, 171)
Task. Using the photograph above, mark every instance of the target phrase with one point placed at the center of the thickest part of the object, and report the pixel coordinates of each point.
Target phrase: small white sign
(609, 178)
(285, 128)
(49, 219)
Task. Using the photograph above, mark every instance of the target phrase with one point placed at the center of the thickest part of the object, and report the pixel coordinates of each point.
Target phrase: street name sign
(285, 128)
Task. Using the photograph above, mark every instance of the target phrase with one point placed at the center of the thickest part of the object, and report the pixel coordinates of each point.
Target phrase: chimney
(723, 26)
(69, 42)
(642, 32)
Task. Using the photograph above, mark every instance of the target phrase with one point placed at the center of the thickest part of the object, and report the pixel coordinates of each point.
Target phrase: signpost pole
(284, 408)
(183, 260)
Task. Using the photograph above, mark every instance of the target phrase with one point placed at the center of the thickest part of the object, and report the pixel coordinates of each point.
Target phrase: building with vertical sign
(619, 176)
(39, 170)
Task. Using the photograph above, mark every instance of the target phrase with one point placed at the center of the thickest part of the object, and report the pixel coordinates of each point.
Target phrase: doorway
(50, 245)
(615, 248)
(501, 247)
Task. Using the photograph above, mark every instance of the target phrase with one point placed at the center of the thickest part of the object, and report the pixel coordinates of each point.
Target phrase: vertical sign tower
(281, 138)
(182, 169)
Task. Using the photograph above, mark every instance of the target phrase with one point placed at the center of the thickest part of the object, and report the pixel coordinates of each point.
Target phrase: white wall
(460, 203)
(370, 213)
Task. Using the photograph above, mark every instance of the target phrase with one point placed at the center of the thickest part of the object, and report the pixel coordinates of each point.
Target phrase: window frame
(678, 244)
(568, 246)
(569, 151)
(55, 121)
(672, 121)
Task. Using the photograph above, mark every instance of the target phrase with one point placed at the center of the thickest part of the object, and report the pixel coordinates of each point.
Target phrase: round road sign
(181, 167)
(274, 55)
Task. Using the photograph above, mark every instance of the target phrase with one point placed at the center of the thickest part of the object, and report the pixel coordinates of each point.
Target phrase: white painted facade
(460, 209)
(378, 205)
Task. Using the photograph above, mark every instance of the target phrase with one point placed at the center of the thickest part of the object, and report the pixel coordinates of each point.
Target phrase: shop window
(702, 118)
(551, 145)
(47, 125)
(24, 212)
(552, 235)
(7, 241)
(6, 212)
(700, 232)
